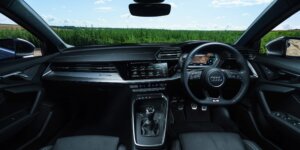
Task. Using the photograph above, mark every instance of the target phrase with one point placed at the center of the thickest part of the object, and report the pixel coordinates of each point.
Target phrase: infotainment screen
(146, 70)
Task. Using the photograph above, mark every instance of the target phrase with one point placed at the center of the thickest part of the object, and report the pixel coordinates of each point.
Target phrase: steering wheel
(215, 77)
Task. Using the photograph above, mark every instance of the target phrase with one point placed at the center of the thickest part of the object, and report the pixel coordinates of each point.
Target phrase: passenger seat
(86, 143)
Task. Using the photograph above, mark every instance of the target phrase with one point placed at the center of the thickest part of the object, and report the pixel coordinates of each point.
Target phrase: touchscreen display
(148, 70)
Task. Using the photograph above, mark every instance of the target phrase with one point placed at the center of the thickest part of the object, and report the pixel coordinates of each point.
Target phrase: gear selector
(149, 125)
(149, 120)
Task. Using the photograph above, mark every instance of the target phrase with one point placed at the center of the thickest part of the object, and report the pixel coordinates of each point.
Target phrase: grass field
(95, 36)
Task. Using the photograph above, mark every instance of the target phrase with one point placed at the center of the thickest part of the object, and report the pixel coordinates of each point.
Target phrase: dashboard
(125, 64)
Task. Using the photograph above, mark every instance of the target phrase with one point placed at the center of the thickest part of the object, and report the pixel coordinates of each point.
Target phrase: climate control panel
(148, 87)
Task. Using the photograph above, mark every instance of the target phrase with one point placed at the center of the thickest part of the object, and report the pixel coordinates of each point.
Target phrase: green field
(95, 36)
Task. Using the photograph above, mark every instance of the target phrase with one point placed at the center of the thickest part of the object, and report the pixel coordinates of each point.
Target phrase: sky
(185, 14)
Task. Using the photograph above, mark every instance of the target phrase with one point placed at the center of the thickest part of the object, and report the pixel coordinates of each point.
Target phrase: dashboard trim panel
(101, 77)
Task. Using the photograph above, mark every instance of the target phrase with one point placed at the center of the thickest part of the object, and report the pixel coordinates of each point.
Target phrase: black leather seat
(86, 143)
(212, 141)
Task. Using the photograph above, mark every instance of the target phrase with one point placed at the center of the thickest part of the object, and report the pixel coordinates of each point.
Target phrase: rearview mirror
(149, 9)
(284, 46)
(16, 48)
(149, 1)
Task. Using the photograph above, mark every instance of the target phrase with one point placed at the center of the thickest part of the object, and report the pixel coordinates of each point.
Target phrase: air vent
(168, 53)
(73, 67)
(248, 53)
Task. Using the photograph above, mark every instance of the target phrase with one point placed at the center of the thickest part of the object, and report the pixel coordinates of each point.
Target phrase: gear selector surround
(149, 120)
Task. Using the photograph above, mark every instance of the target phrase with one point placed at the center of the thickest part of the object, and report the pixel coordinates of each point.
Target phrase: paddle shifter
(149, 125)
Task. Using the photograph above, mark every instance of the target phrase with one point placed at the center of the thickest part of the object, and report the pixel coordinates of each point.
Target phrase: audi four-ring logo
(216, 78)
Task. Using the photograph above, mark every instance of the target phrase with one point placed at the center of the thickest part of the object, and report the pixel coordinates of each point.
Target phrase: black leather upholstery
(251, 145)
(86, 143)
(212, 141)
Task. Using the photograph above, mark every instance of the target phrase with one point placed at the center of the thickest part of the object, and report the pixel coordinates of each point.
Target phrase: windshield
(94, 22)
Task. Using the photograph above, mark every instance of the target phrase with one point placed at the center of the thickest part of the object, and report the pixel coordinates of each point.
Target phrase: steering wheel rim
(216, 73)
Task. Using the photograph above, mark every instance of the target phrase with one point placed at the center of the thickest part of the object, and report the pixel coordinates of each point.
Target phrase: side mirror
(16, 48)
(284, 46)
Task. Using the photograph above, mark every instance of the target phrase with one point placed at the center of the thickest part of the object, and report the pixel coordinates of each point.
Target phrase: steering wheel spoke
(194, 74)
(214, 100)
(233, 74)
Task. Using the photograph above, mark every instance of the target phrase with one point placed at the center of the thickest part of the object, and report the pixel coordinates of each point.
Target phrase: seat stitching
(252, 146)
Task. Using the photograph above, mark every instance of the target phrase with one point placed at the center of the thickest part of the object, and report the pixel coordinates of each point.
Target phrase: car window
(288, 28)
(16, 42)
(109, 22)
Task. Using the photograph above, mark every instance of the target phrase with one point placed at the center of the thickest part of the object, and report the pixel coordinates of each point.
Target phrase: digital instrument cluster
(206, 59)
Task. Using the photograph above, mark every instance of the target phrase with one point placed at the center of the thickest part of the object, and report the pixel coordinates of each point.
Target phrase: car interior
(194, 95)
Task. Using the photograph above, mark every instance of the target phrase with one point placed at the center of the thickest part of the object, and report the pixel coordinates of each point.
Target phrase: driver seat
(212, 141)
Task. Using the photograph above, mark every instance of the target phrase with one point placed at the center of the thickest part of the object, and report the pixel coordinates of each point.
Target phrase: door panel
(278, 92)
(21, 95)
(18, 107)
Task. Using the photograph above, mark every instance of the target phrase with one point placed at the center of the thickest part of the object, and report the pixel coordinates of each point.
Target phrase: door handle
(17, 74)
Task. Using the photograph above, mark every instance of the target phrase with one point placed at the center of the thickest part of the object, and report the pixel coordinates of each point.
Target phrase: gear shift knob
(150, 111)
(149, 125)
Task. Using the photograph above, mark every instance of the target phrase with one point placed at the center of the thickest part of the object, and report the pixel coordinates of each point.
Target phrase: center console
(149, 120)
